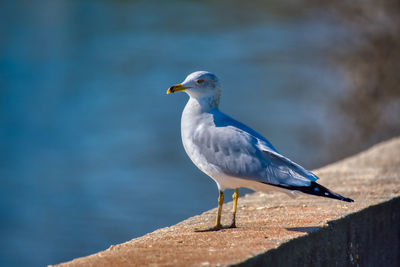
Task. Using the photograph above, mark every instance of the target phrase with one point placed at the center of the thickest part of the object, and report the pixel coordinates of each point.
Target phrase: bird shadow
(304, 229)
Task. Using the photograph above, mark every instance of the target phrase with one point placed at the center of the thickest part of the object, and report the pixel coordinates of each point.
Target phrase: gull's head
(199, 84)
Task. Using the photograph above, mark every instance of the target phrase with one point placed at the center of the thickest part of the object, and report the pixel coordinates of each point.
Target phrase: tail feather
(316, 190)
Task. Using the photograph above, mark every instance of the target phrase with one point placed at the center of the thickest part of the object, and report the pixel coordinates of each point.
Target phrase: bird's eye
(200, 81)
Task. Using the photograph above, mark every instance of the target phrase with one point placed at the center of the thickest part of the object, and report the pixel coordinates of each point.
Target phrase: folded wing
(239, 151)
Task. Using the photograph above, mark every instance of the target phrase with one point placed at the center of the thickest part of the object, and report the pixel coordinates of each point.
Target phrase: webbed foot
(210, 229)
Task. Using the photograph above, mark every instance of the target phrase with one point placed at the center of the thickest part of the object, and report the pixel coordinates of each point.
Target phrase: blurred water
(90, 143)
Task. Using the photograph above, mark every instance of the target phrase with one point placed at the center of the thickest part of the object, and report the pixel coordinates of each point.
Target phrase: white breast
(191, 121)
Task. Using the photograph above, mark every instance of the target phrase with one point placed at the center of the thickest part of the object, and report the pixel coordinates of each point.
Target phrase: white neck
(203, 104)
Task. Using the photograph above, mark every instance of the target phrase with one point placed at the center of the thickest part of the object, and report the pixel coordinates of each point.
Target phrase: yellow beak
(177, 88)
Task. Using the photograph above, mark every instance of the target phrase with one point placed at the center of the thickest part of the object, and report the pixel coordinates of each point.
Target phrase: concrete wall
(370, 237)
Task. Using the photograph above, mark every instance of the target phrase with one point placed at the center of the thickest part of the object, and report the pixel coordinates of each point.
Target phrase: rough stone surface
(273, 228)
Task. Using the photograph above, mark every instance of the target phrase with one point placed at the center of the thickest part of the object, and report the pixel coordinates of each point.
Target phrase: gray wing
(241, 152)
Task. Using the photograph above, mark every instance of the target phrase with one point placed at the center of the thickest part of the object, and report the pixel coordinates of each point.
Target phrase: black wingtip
(347, 199)
(317, 190)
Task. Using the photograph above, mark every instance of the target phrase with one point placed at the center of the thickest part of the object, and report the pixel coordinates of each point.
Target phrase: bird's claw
(210, 229)
(215, 228)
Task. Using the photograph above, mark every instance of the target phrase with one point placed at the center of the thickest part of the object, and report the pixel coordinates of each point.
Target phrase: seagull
(233, 154)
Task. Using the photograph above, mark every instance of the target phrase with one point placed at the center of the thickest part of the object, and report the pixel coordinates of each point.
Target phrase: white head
(199, 84)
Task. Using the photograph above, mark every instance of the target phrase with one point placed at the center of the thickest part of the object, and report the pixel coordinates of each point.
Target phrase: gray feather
(241, 152)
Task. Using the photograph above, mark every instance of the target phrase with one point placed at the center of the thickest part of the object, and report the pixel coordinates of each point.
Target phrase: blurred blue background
(90, 147)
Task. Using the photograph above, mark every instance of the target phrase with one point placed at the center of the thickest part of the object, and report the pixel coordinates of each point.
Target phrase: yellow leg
(235, 198)
(218, 225)
(220, 203)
